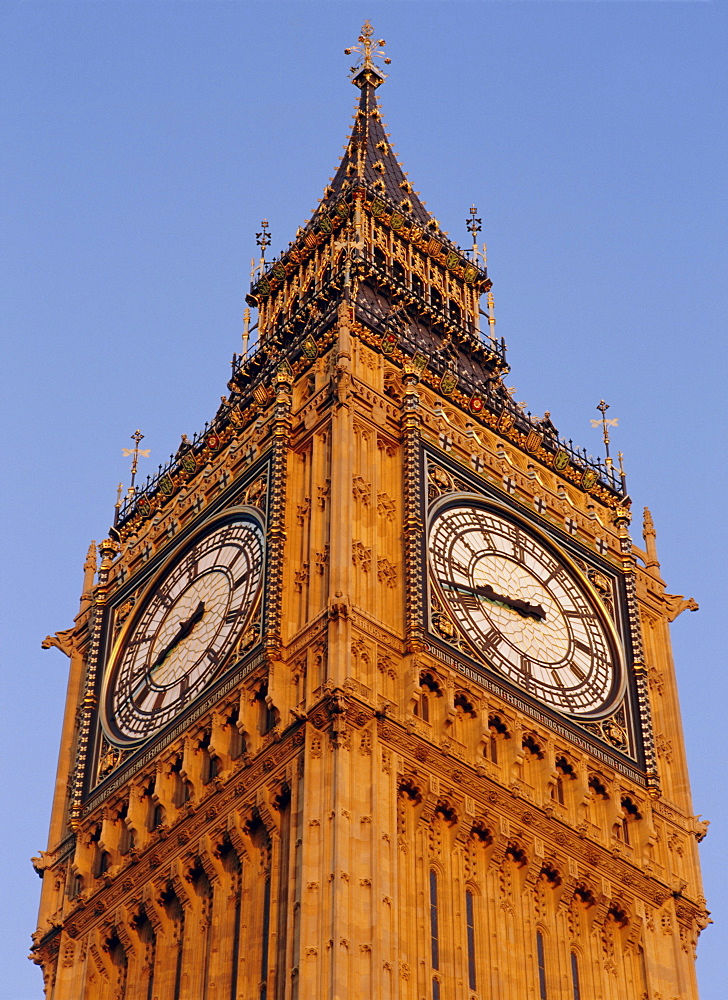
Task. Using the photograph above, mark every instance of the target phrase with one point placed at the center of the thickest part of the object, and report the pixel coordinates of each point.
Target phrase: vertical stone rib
(412, 518)
(638, 663)
(108, 549)
(340, 474)
(277, 515)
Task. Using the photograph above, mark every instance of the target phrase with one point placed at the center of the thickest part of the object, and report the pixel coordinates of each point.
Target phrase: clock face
(182, 629)
(524, 607)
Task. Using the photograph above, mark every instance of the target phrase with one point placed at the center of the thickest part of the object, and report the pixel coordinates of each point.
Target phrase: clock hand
(523, 608)
(182, 632)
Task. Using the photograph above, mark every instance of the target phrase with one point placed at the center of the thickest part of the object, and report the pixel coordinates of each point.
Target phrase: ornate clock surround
(616, 737)
(110, 765)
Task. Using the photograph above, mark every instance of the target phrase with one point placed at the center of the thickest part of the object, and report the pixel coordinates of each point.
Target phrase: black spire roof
(369, 157)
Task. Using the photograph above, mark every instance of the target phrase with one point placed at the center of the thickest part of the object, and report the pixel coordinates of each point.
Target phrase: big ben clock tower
(371, 692)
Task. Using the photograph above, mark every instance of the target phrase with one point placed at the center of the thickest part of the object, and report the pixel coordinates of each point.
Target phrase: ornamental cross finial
(606, 424)
(135, 452)
(263, 239)
(368, 50)
(474, 224)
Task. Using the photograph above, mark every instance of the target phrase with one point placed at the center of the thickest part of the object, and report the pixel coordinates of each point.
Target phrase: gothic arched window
(629, 815)
(266, 714)
(541, 958)
(470, 927)
(434, 934)
(498, 732)
(575, 976)
(564, 774)
(429, 691)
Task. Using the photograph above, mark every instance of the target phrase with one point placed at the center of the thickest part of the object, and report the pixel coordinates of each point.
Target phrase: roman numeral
(491, 639)
(139, 639)
(468, 546)
(518, 550)
(235, 558)
(140, 693)
(470, 602)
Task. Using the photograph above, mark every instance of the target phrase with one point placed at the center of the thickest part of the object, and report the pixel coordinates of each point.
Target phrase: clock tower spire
(372, 693)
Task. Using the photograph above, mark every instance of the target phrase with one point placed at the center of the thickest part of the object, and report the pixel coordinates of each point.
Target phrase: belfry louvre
(371, 692)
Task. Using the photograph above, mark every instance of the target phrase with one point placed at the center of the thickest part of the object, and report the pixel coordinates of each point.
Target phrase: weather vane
(136, 452)
(606, 424)
(368, 49)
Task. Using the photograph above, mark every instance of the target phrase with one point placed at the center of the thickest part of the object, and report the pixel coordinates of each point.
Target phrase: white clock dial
(524, 607)
(184, 627)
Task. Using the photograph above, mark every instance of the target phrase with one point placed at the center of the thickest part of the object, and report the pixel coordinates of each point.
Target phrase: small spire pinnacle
(246, 312)
(117, 505)
(366, 71)
(649, 534)
(491, 316)
(622, 473)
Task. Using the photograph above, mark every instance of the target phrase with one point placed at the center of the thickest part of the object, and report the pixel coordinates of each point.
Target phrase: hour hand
(182, 632)
(487, 592)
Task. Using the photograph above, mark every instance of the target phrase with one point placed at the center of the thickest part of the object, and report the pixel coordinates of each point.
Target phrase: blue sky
(142, 144)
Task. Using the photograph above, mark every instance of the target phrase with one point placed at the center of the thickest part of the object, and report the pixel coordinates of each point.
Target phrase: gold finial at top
(368, 50)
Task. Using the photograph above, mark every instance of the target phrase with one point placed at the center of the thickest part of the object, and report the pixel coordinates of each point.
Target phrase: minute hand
(523, 608)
